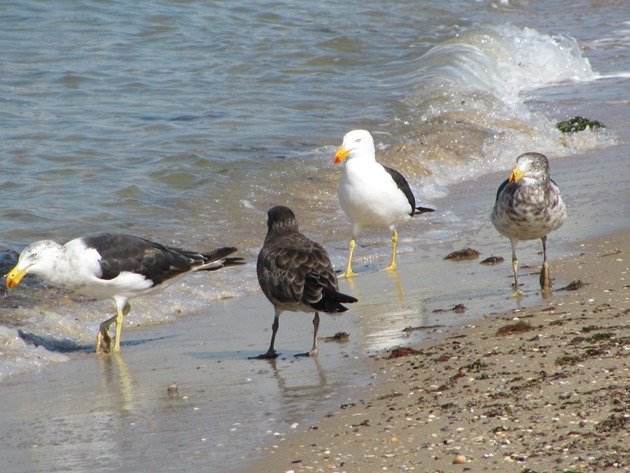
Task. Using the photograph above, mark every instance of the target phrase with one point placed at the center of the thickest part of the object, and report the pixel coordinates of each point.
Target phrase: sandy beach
(549, 398)
(185, 122)
(540, 389)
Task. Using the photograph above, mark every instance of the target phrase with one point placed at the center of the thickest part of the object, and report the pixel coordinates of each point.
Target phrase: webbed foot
(269, 355)
(348, 273)
(545, 277)
(311, 353)
(103, 342)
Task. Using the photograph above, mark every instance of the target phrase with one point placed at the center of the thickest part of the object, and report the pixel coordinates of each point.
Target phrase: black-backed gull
(372, 195)
(113, 266)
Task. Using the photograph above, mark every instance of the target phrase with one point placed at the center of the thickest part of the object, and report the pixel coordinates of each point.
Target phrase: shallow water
(184, 122)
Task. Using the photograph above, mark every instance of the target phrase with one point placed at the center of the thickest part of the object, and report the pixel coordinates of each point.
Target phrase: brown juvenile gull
(116, 266)
(528, 206)
(370, 194)
(295, 274)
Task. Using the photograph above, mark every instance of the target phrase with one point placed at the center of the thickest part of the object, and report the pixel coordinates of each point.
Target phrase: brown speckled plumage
(529, 207)
(295, 273)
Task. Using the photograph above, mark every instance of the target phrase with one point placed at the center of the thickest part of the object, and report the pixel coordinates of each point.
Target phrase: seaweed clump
(575, 124)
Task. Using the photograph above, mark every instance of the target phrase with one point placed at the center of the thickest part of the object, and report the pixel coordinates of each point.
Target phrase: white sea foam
(51, 324)
(17, 356)
(468, 113)
(471, 103)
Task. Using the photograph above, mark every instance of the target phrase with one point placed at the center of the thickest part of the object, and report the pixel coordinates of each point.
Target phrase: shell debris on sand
(492, 260)
(459, 459)
(510, 400)
(461, 255)
(340, 337)
(173, 390)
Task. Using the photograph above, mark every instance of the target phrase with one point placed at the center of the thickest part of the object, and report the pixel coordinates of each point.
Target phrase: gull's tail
(422, 210)
(332, 300)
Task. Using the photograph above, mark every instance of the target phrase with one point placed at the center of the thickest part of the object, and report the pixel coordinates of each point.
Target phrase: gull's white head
(530, 165)
(37, 258)
(356, 143)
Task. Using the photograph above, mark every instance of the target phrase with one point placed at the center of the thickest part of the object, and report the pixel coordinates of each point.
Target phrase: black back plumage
(154, 261)
(403, 185)
(503, 185)
(294, 270)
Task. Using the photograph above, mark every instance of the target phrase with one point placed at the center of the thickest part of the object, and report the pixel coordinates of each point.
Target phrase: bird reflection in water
(302, 385)
(381, 325)
(117, 382)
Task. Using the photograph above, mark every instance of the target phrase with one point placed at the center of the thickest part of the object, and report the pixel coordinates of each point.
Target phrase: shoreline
(535, 389)
(228, 405)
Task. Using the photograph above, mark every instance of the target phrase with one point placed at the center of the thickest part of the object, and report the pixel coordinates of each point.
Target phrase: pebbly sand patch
(542, 389)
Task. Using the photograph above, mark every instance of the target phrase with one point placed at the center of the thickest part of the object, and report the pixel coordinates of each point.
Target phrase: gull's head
(281, 219)
(37, 258)
(531, 165)
(356, 143)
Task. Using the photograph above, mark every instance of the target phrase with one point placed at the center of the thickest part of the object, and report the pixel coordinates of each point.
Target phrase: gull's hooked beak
(515, 175)
(341, 154)
(14, 277)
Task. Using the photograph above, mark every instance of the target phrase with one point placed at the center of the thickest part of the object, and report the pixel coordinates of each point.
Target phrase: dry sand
(541, 389)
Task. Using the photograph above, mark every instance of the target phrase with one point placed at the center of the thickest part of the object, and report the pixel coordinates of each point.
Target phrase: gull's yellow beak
(515, 175)
(341, 154)
(15, 276)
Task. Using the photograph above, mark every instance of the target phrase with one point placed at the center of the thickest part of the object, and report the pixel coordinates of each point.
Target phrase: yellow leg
(103, 340)
(392, 265)
(119, 322)
(348, 273)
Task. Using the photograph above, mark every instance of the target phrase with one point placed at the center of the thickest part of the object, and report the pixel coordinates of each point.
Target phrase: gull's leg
(348, 273)
(313, 351)
(545, 277)
(271, 353)
(517, 291)
(119, 322)
(103, 340)
(392, 265)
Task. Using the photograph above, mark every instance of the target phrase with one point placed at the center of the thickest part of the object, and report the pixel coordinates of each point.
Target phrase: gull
(295, 274)
(116, 266)
(372, 195)
(528, 206)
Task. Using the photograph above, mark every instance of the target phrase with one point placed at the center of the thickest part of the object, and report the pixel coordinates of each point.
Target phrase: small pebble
(459, 459)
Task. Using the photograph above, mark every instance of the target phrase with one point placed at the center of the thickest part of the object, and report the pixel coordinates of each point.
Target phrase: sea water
(184, 122)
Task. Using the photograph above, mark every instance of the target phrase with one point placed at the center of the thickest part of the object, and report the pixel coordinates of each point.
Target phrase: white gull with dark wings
(372, 195)
(113, 266)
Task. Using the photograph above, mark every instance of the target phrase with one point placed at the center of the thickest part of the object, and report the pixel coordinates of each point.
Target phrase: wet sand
(115, 413)
(543, 388)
